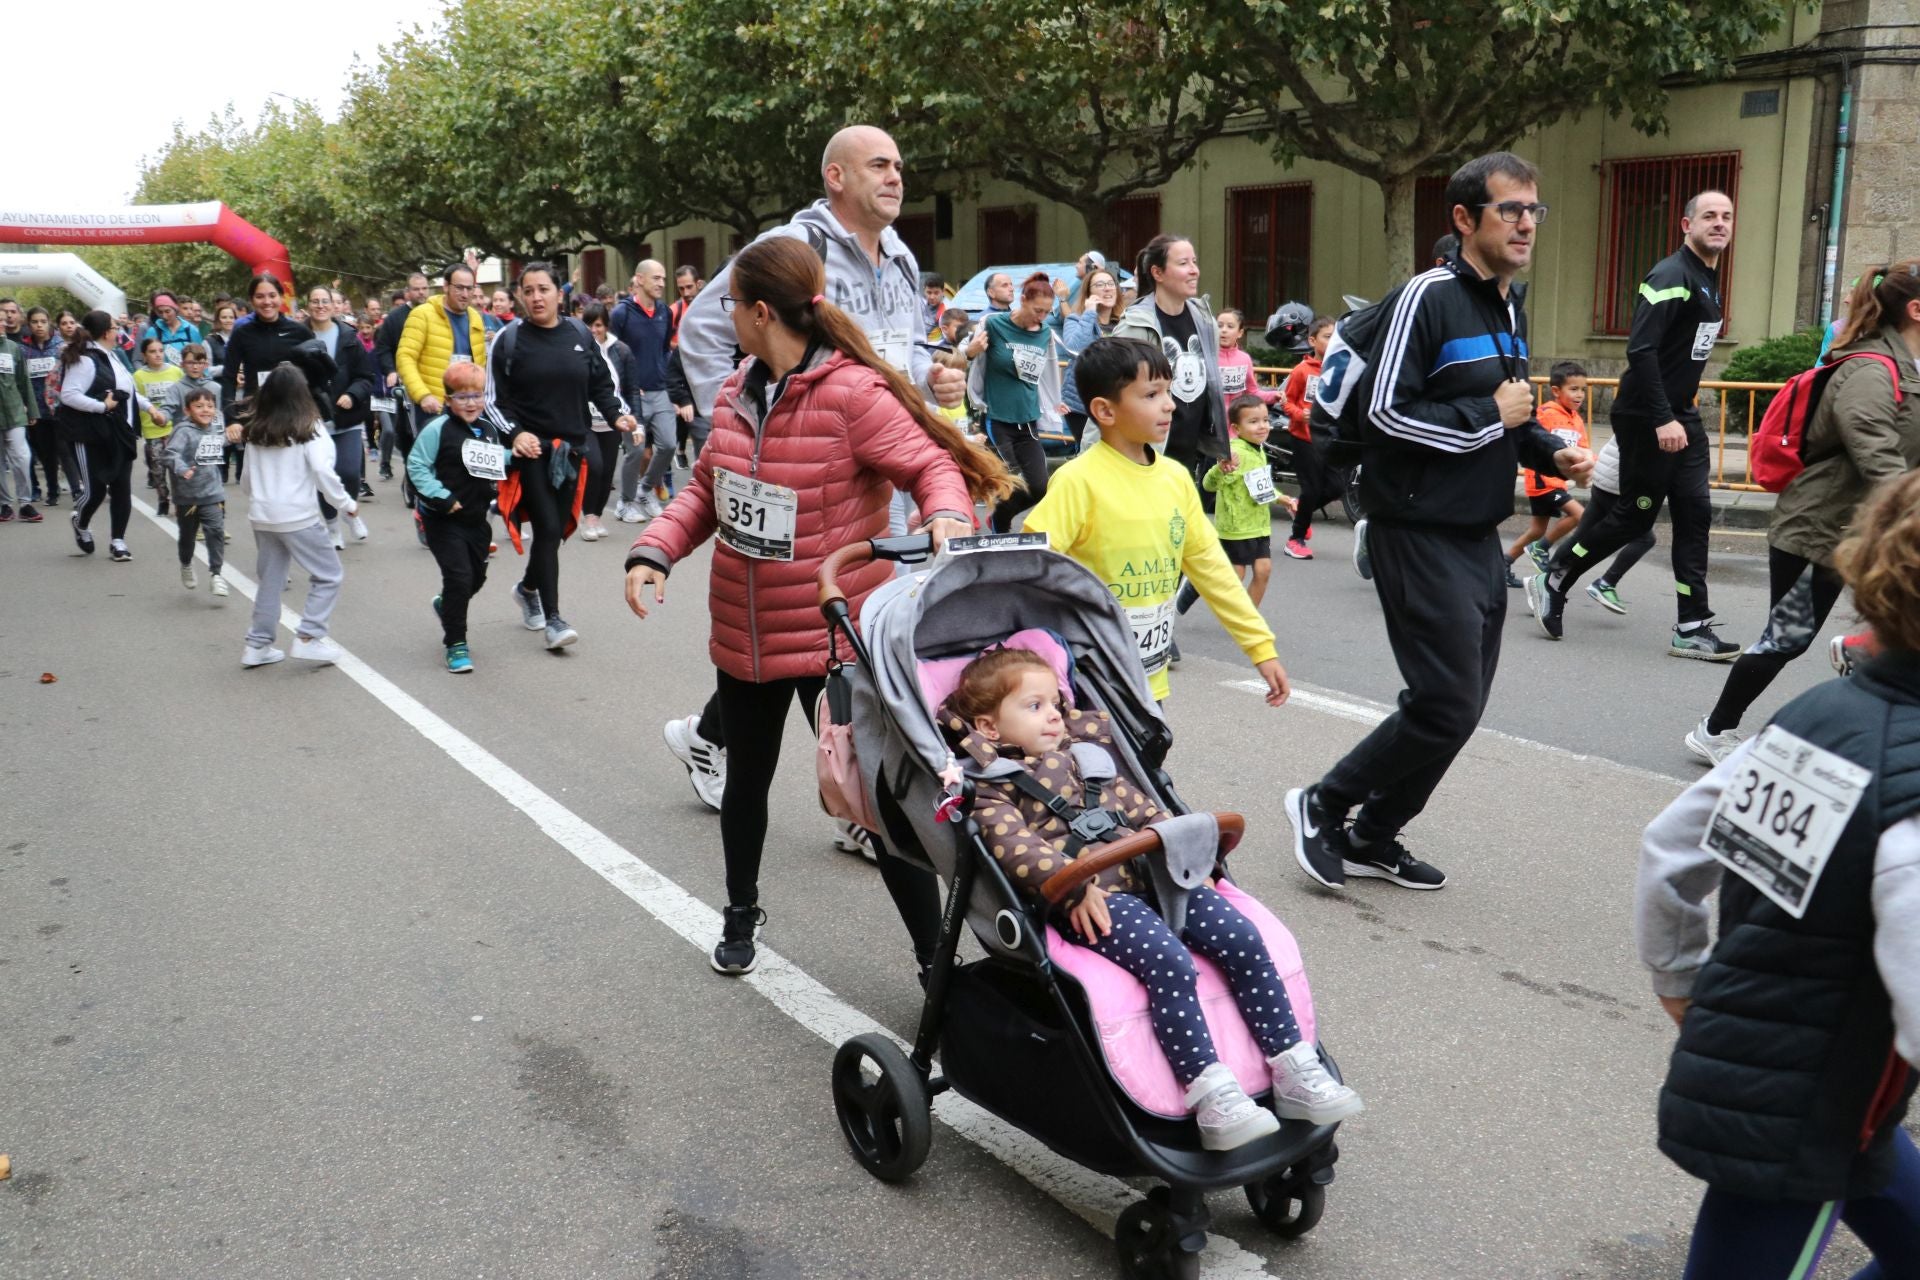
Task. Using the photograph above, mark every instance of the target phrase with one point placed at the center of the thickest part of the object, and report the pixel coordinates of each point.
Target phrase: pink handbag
(841, 792)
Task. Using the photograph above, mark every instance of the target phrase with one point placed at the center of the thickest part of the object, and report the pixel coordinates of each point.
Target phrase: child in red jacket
(1318, 485)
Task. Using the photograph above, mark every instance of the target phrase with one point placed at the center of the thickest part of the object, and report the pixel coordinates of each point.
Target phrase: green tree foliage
(1393, 89)
(1083, 104)
(1774, 360)
(736, 133)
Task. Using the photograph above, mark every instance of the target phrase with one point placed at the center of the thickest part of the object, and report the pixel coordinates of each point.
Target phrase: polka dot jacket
(1028, 839)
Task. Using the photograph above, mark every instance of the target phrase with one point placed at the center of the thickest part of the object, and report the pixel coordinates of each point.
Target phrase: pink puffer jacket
(840, 440)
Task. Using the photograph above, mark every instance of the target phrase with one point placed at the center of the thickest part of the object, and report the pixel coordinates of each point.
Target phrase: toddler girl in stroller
(1046, 788)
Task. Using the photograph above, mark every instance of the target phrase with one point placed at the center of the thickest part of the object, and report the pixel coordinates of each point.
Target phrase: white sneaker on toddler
(1303, 1088)
(1228, 1118)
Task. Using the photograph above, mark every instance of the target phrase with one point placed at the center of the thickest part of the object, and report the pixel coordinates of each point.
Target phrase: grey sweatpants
(662, 424)
(312, 549)
(16, 486)
(209, 518)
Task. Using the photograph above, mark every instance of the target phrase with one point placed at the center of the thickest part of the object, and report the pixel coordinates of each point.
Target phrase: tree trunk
(1399, 227)
(1098, 217)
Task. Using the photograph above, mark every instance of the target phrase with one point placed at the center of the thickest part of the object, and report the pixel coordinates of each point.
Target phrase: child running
(1236, 366)
(1548, 498)
(195, 451)
(1133, 516)
(1243, 517)
(153, 374)
(1318, 484)
(1007, 707)
(456, 465)
(289, 460)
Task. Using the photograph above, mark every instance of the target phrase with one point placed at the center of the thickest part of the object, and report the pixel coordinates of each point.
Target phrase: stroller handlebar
(911, 549)
(1088, 865)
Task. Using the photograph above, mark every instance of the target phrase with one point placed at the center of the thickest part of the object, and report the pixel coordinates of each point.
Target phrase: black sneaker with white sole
(1547, 605)
(738, 925)
(1319, 837)
(1392, 862)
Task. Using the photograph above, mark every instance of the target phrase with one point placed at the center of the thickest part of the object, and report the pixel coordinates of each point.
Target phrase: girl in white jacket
(290, 462)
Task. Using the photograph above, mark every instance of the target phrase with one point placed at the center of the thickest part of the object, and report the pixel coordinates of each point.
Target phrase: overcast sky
(163, 63)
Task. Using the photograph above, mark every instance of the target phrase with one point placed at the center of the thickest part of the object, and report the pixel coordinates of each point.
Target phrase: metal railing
(1726, 394)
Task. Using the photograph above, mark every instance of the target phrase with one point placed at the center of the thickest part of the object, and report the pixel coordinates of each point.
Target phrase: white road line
(1361, 711)
(1092, 1196)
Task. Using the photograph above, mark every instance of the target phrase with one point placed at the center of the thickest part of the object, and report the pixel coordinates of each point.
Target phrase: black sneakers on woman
(735, 953)
(1392, 862)
(1319, 838)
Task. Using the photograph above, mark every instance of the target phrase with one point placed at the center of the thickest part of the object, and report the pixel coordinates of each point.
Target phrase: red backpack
(1776, 453)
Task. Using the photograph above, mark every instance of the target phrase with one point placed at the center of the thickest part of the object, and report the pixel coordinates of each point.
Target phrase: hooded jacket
(1142, 323)
(17, 404)
(1858, 438)
(884, 300)
(836, 436)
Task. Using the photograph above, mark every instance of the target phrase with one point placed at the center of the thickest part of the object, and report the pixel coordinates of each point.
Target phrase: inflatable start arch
(65, 271)
(210, 223)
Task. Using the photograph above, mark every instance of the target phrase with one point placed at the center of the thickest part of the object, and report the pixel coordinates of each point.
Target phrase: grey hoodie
(1141, 322)
(183, 448)
(886, 300)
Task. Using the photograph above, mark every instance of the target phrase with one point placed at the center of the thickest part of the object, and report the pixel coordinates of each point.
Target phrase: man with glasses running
(1664, 456)
(1448, 416)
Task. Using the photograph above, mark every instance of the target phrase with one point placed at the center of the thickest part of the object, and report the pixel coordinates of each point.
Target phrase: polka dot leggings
(1143, 945)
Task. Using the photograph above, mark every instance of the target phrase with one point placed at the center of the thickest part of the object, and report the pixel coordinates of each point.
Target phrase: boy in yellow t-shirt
(1133, 517)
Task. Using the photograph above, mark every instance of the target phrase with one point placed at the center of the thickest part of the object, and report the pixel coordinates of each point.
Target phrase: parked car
(973, 294)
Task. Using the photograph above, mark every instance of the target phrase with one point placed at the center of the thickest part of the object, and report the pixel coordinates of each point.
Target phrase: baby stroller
(1046, 1035)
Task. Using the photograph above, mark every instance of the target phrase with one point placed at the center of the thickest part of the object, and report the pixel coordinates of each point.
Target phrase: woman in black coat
(267, 339)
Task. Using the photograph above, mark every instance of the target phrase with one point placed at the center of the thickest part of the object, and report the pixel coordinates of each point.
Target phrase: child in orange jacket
(1318, 485)
(1548, 498)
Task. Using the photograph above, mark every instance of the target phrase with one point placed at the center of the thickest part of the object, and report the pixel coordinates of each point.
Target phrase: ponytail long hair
(96, 325)
(1879, 297)
(789, 277)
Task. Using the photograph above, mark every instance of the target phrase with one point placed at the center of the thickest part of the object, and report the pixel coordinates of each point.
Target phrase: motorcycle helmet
(1287, 327)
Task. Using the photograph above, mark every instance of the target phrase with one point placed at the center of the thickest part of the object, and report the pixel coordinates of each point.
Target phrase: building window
(1009, 236)
(917, 230)
(1432, 218)
(1133, 221)
(593, 269)
(1645, 200)
(1271, 231)
(689, 252)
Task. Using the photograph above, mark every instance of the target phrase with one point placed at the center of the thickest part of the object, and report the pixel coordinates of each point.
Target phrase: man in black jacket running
(1663, 446)
(1449, 417)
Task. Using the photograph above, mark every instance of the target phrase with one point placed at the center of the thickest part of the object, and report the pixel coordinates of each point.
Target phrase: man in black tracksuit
(386, 341)
(1449, 417)
(1664, 456)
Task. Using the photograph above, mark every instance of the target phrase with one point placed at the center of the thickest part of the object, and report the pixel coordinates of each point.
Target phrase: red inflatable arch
(210, 222)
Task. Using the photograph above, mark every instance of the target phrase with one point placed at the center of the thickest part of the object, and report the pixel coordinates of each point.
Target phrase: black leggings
(1803, 594)
(605, 457)
(755, 719)
(1020, 449)
(1319, 485)
(545, 508)
(50, 452)
(108, 470)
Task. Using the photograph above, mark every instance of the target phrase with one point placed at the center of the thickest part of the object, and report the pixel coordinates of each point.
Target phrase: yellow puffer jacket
(426, 347)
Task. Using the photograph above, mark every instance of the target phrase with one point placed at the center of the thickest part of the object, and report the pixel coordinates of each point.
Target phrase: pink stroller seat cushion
(939, 677)
(1119, 1006)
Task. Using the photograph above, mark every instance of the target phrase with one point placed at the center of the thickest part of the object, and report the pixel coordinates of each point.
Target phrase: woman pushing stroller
(1007, 710)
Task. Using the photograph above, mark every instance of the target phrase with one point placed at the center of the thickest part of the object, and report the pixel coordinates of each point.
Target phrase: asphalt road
(369, 971)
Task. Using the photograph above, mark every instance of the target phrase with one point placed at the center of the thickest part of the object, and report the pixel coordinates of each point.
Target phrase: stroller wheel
(1287, 1204)
(884, 1108)
(1149, 1248)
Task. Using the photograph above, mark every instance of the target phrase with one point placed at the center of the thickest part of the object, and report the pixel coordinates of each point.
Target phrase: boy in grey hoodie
(194, 452)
